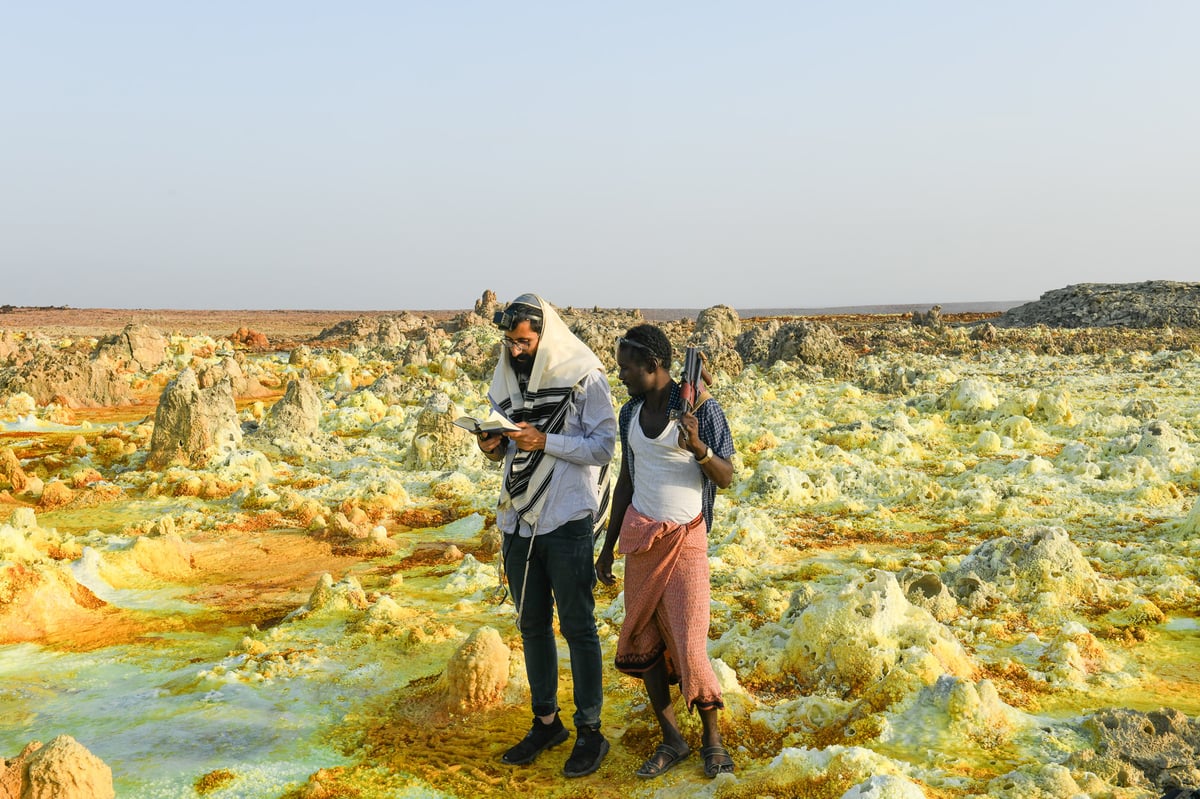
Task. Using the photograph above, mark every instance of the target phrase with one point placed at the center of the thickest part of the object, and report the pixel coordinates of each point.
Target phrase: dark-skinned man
(661, 514)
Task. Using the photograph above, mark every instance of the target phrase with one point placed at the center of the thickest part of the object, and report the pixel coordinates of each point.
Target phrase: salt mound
(1189, 526)
(926, 590)
(384, 617)
(474, 349)
(346, 594)
(63, 769)
(1045, 561)
(35, 601)
(23, 541)
(1054, 406)
(970, 396)
(754, 346)
(1075, 657)
(1140, 612)
(597, 330)
(229, 368)
(1152, 303)
(954, 708)
(848, 641)
(297, 414)
(717, 331)
(471, 577)
(1044, 782)
(486, 305)
(68, 377)
(138, 347)
(1164, 447)
(438, 442)
(292, 426)
(820, 772)
(387, 331)
(193, 425)
(885, 786)
(168, 556)
(477, 672)
(245, 338)
(11, 471)
(406, 627)
(783, 485)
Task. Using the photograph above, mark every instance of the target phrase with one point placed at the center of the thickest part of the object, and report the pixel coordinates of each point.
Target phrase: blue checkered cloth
(714, 431)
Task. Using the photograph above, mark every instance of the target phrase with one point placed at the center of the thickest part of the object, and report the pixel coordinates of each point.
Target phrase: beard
(522, 364)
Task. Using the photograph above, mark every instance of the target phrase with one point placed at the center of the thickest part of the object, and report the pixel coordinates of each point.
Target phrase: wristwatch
(708, 454)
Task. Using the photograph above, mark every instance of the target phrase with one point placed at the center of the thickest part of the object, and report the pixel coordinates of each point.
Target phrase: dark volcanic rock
(754, 345)
(1161, 748)
(809, 343)
(1153, 303)
(600, 330)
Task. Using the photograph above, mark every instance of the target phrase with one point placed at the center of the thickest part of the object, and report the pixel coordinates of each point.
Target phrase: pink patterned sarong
(666, 604)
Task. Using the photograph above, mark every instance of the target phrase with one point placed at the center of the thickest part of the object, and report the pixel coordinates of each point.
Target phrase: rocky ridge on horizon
(1149, 304)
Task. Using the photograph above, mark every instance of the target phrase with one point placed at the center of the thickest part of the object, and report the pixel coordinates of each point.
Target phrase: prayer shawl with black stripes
(562, 361)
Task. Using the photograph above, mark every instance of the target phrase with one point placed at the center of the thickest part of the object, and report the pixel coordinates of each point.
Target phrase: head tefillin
(523, 309)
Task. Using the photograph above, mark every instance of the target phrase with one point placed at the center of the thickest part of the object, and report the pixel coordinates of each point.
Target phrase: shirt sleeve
(597, 440)
(714, 429)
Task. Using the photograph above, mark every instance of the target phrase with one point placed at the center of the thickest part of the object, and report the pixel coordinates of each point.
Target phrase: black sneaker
(541, 736)
(588, 754)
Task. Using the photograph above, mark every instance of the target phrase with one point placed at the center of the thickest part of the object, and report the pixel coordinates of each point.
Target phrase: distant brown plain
(291, 326)
(280, 326)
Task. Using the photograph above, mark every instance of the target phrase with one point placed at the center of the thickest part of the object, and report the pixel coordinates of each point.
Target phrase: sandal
(663, 760)
(716, 761)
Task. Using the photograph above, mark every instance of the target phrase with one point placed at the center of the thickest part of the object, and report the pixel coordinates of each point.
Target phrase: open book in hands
(494, 422)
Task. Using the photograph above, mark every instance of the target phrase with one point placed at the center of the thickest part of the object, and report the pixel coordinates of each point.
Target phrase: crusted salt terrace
(950, 564)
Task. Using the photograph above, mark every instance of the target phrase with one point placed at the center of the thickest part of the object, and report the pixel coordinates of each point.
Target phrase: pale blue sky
(393, 155)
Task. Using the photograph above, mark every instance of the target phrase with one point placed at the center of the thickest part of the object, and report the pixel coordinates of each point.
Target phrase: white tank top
(668, 480)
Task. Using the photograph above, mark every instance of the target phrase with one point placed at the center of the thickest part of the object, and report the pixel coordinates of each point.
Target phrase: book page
(494, 422)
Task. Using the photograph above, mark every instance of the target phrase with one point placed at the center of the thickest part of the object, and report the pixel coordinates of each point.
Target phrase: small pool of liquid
(1171, 679)
(171, 707)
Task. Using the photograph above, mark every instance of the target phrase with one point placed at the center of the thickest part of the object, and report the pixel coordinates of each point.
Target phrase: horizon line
(827, 310)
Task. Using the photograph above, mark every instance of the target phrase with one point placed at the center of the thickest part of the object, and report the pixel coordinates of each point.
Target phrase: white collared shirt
(587, 442)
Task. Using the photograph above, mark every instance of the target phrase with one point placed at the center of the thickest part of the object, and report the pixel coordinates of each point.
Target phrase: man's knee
(536, 624)
(583, 630)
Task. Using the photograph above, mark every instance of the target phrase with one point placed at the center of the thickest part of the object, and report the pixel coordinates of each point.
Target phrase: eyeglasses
(520, 344)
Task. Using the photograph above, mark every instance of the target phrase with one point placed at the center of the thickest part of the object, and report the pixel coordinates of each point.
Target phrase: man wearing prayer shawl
(661, 514)
(553, 497)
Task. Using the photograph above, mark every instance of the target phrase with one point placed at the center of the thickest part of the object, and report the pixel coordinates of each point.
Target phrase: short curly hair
(648, 345)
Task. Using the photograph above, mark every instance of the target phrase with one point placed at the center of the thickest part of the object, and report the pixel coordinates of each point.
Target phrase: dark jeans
(561, 572)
